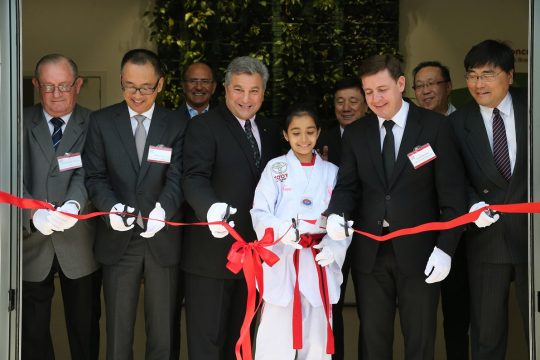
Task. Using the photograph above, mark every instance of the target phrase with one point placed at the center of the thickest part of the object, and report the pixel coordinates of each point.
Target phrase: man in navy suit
(492, 137)
(133, 157)
(399, 168)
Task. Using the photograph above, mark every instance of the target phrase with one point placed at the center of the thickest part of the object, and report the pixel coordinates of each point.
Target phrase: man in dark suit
(349, 106)
(224, 154)
(54, 135)
(492, 137)
(133, 157)
(399, 168)
(432, 87)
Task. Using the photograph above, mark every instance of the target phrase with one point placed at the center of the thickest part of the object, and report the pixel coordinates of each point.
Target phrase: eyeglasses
(194, 82)
(144, 90)
(485, 77)
(48, 88)
(429, 84)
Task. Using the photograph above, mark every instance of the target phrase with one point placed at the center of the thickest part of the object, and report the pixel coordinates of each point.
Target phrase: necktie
(57, 131)
(140, 141)
(140, 136)
(388, 150)
(500, 146)
(252, 143)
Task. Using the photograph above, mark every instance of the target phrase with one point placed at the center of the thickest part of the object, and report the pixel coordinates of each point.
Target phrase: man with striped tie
(492, 137)
(54, 135)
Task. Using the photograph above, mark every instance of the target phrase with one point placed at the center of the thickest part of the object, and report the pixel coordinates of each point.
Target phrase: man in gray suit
(54, 135)
(492, 136)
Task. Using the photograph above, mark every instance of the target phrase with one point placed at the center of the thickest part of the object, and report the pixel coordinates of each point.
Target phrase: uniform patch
(307, 202)
(279, 170)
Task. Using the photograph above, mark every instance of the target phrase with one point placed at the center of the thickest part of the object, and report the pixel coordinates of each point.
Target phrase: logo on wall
(279, 170)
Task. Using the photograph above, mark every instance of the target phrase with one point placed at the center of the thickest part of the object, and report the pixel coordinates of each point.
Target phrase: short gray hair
(246, 65)
(55, 59)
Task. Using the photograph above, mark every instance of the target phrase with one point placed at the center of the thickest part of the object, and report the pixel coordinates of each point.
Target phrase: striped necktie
(57, 131)
(500, 146)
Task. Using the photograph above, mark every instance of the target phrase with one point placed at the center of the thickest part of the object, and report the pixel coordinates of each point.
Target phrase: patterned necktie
(500, 146)
(57, 131)
(388, 150)
(252, 143)
(140, 136)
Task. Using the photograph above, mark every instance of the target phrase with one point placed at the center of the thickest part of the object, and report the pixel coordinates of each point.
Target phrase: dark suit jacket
(43, 181)
(331, 137)
(113, 175)
(219, 167)
(433, 192)
(506, 240)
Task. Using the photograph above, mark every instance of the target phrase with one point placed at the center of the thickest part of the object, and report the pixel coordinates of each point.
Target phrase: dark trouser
(82, 310)
(215, 309)
(490, 285)
(377, 295)
(337, 313)
(455, 307)
(121, 284)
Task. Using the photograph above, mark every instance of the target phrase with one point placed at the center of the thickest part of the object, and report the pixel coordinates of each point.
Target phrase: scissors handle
(345, 225)
(296, 231)
(227, 213)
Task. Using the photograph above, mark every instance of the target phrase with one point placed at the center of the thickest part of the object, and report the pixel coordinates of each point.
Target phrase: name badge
(421, 155)
(159, 154)
(69, 162)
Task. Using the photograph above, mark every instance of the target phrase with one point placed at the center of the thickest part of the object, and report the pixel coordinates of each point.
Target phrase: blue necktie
(57, 131)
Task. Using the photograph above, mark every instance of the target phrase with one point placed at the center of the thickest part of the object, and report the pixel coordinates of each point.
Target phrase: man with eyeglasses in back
(133, 166)
(492, 137)
(54, 243)
(432, 87)
(199, 85)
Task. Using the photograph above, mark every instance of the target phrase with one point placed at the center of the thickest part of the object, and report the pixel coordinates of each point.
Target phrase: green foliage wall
(307, 45)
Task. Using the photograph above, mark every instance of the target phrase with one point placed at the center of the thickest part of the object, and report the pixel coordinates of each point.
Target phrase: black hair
(444, 69)
(301, 110)
(142, 57)
(490, 52)
(348, 83)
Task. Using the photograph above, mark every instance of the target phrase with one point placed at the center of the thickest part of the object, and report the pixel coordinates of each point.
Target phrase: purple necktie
(500, 146)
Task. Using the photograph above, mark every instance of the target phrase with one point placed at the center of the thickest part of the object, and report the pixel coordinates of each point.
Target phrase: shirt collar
(148, 113)
(193, 112)
(401, 116)
(66, 117)
(505, 107)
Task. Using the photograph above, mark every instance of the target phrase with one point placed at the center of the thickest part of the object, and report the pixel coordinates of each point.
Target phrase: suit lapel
(520, 119)
(374, 145)
(478, 143)
(155, 133)
(408, 142)
(125, 134)
(240, 136)
(42, 135)
(74, 130)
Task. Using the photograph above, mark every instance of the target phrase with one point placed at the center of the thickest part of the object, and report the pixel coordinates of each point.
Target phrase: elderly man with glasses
(133, 167)
(55, 243)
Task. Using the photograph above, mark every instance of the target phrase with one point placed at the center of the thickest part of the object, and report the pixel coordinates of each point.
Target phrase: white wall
(445, 30)
(95, 33)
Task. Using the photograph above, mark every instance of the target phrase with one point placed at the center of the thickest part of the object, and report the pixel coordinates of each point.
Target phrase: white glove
(216, 213)
(335, 227)
(61, 222)
(484, 219)
(41, 221)
(117, 221)
(326, 256)
(438, 265)
(154, 225)
(287, 234)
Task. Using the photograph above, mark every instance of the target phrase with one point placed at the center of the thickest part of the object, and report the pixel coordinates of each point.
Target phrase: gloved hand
(326, 256)
(41, 221)
(484, 219)
(61, 222)
(154, 225)
(287, 234)
(117, 221)
(216, 213)
(335, 227)
(438, 265)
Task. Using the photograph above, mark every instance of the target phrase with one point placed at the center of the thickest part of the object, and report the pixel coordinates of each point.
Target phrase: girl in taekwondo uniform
(293, 192)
